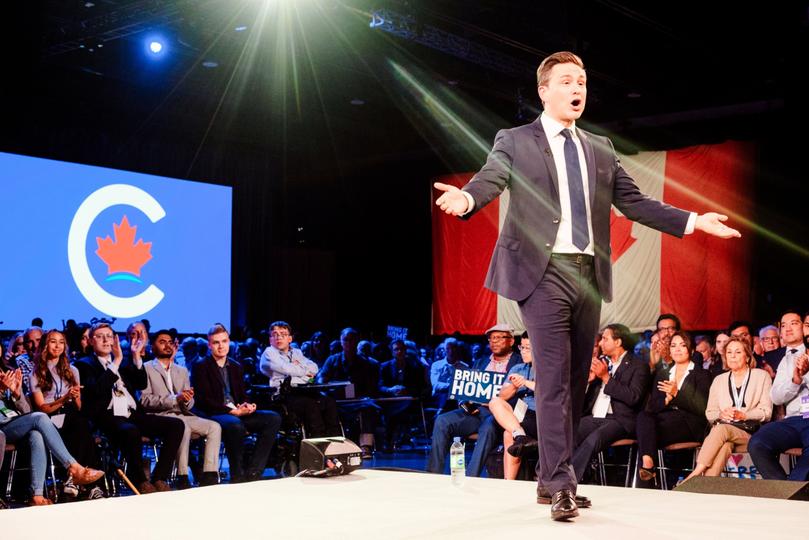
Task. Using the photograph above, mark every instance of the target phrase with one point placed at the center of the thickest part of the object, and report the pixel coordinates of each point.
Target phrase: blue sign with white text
(86, 242)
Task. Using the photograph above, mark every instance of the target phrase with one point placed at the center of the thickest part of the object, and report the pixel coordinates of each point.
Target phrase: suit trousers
(562, 316)
(199, 427)
(660, 429)
(125, 434)
(594, 435)
(773, 438)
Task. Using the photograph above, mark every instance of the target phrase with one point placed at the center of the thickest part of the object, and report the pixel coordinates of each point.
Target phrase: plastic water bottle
(457, 462)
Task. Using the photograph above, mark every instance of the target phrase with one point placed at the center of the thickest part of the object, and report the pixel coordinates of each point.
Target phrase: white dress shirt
(564, 236)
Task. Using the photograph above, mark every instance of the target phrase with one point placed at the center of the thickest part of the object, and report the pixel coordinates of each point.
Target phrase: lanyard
(738, 396)
(58, 383)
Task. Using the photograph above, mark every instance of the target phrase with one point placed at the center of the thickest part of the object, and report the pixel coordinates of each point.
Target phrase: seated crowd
(83, 390)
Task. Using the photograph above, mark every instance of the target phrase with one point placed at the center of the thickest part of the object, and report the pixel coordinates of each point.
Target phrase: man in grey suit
(553, 253)
(168, 392)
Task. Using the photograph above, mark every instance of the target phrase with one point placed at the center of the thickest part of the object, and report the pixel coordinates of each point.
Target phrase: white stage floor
(373, 504)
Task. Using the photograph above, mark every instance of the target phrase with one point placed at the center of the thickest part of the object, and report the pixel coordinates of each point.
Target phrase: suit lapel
(547, 156)
(590, 160)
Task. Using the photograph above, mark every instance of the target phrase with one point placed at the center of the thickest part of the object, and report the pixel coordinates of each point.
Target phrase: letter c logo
(89, 210)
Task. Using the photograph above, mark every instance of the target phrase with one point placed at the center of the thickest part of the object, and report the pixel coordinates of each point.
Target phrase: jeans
(772, 439)
(41, 434)
(458, 423)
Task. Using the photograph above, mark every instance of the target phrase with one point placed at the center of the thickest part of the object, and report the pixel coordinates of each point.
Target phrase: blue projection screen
(83, 242)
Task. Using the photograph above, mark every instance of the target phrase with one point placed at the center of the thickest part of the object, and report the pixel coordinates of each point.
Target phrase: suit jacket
(416, 379)
(362, 372)
(156, 398)
(757, 400)
(521, 160)
(97, 384)
(209, 389)
(627, 388)
(692, 398)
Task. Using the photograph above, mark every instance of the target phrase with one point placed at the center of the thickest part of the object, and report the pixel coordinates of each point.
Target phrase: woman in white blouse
(739, 395)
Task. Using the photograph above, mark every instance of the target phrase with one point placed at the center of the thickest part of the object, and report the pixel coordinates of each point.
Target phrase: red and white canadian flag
(702, 279)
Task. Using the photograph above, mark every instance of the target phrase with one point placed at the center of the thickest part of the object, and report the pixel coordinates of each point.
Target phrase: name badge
(8, 413)
(805, 406)
(520, 409)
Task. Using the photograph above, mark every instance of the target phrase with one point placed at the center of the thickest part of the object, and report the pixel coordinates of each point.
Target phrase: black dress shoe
(523, 445)
(563, 505)
(543, 497)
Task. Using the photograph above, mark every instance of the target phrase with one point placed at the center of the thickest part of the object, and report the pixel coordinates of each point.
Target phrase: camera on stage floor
(329, 456)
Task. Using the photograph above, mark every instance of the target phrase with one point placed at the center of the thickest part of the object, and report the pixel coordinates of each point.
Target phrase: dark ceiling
(654, 67)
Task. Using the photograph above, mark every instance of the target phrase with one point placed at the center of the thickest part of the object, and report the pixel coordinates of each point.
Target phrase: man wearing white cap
(461, 423)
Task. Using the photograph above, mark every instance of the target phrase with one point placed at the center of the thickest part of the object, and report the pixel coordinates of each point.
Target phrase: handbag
(750, 426)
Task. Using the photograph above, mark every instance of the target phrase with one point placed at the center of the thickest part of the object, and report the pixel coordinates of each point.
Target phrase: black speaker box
(768, 489)
(329, 456)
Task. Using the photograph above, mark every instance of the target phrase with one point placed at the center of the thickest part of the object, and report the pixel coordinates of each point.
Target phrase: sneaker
(95, 493)
(69, 488)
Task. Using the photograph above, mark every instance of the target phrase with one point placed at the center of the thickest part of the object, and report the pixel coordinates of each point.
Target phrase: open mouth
(576, 102)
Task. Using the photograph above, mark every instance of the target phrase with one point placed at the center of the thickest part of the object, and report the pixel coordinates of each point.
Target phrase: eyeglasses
(280, 335)
(103, 337)
(666, 328)
(525, 348)
(495, 339)
(770, 339)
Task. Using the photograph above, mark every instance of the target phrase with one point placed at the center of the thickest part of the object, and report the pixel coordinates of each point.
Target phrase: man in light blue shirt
(790, 388)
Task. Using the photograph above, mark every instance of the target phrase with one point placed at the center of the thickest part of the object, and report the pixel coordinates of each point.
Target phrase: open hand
(453, 201)
(712, 223)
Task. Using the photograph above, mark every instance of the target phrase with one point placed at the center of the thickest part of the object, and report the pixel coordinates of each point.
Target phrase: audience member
(169, 393)
(363, 373)
(108, 400)
(221, 396)
(56, 391)
(738, 402)
(790, 388)
(18, 424)
(442, 371)
(676, 409)
(520, 426)
(468, 420)
(615, 396)
(279, 362)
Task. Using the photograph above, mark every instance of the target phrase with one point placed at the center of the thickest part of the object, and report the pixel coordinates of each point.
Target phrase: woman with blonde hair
(738, 402)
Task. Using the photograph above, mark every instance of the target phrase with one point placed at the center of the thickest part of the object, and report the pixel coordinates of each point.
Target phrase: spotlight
(155, 47)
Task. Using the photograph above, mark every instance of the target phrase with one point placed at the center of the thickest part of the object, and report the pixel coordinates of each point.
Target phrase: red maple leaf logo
(123, 255)
(621, 238)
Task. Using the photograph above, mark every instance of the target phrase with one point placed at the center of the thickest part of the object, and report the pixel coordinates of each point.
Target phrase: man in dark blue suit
(553, 253)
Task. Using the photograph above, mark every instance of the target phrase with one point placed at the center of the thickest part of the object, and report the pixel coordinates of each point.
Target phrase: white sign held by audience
(475, 385)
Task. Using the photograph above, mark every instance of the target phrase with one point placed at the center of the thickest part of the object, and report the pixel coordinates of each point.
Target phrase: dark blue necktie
(578, 210)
